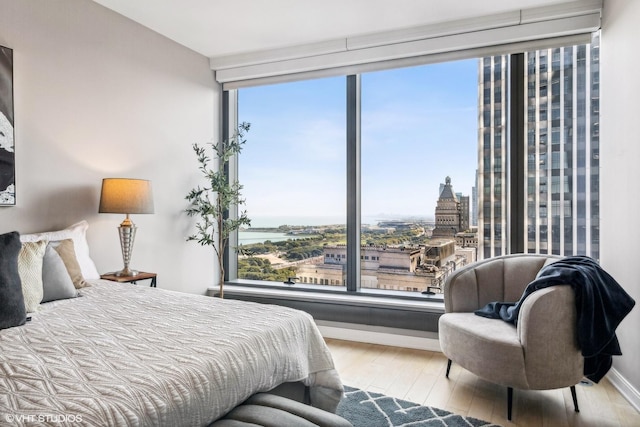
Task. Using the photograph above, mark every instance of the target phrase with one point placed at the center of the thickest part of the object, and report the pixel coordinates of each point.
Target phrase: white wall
(97, 95)
(620, 170)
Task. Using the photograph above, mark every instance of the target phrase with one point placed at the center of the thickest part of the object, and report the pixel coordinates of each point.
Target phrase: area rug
(367, 409)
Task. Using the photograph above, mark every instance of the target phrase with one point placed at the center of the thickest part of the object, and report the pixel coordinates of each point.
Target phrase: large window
(560, 107)
(293, 174)
(419, 157)
(391, 180)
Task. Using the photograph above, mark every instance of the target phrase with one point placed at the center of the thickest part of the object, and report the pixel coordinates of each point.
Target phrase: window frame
(515, 185)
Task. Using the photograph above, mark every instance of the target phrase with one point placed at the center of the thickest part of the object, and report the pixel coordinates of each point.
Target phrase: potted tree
(211, 203)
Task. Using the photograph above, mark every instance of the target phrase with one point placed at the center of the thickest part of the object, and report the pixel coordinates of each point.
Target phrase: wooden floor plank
(419, 376)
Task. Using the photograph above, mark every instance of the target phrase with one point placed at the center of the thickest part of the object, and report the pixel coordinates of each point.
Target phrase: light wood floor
(418, 376)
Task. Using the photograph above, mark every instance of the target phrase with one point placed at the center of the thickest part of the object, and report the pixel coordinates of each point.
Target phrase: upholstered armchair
(540, 353)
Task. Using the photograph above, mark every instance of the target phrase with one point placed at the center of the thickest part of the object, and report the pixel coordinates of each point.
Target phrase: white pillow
(30, 270)
(78, 233)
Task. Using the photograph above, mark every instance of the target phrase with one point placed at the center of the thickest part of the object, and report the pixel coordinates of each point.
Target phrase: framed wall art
(7, 145)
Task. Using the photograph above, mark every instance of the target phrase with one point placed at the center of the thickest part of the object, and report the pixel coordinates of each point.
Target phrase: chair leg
(448, 367)
(575, 398)
(510, 400)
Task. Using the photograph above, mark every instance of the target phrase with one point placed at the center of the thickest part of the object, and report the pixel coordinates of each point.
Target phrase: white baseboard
(377, 335)
(625, 388)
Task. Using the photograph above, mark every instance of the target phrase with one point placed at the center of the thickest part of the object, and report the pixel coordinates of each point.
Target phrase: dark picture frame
(7, 143)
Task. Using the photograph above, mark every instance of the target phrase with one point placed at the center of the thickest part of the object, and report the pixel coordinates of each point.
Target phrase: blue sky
(419, 125)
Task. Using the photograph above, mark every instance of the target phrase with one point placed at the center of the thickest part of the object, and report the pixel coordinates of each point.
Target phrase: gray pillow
(12, 310)
(56, 282)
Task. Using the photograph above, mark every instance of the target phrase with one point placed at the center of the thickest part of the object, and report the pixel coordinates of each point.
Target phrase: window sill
(374, 309)
(336, 295)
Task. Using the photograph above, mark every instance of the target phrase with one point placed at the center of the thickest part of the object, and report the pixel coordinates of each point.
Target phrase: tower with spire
(448, 212)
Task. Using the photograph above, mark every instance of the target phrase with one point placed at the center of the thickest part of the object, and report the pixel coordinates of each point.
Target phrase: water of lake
(251, 237)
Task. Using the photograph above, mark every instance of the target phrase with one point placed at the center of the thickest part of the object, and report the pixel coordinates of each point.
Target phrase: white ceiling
(223, 27)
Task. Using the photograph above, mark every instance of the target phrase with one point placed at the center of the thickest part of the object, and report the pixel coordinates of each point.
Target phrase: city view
(402, 255)
(433, 170)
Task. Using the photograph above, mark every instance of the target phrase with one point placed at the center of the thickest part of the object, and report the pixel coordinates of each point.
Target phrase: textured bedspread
(130, 355)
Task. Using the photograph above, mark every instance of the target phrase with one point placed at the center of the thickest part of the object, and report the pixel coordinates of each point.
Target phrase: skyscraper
(561, 102)
(474, 202)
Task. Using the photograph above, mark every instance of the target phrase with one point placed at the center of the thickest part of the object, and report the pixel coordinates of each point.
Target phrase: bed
(123, 354)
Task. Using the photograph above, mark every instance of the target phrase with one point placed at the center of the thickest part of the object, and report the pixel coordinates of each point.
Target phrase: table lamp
(126, 196)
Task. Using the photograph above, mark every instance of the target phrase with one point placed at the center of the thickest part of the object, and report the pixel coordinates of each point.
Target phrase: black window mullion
(353, 183)
(517, 157)
(226, 114)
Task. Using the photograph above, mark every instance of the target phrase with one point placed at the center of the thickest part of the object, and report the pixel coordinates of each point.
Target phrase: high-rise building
(464, 213)
(474, 202)
(561, 116)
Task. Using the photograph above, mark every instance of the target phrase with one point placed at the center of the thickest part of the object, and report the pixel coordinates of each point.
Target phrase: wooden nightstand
(131, 279)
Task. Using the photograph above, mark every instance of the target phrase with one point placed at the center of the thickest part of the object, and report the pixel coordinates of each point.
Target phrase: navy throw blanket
(601, 304)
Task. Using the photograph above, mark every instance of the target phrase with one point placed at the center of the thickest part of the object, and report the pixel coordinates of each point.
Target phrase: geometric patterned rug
(367, 409)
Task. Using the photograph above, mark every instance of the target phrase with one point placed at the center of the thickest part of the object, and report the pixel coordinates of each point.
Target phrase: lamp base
(126, 272)
(127, 232)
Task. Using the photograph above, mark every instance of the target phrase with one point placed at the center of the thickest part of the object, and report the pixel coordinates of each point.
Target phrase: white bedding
(127, 354)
